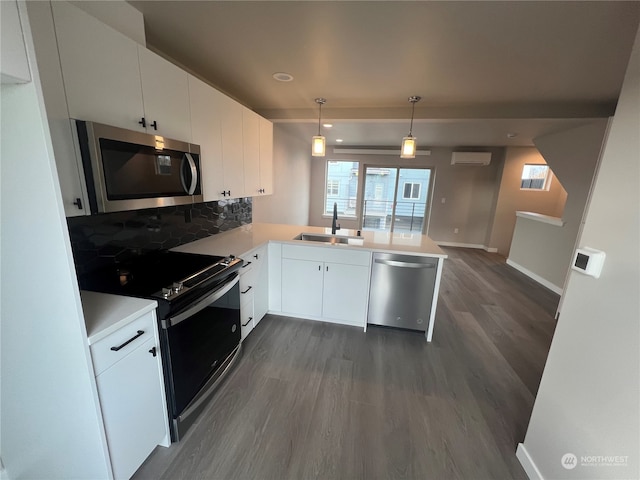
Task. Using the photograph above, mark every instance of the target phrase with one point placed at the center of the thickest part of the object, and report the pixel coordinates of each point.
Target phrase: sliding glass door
(395, 199)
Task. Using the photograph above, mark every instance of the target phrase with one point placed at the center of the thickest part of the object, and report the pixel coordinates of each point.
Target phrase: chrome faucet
(334, 226)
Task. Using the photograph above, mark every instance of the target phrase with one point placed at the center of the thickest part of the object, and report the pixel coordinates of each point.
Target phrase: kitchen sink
(332, 239)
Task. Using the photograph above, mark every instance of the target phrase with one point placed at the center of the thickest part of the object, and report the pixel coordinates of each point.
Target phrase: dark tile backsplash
(98, 240)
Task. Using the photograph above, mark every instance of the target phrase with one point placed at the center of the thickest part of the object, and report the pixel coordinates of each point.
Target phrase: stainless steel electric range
(199, 320)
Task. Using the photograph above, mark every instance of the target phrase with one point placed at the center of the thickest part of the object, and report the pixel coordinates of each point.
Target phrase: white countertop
(242, 240)
(105, 313)
(539, 217)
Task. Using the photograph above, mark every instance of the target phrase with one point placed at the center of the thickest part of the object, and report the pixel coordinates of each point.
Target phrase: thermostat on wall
(588, 261)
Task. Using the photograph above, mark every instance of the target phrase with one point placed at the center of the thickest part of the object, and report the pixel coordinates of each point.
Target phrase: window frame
(329, 184)
(413, 184)
(349, 201)
(547, 178)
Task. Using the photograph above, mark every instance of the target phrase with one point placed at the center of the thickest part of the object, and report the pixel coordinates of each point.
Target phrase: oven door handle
(202, 304)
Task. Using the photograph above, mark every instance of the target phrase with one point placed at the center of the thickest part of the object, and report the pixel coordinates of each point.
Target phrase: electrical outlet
(456, 230)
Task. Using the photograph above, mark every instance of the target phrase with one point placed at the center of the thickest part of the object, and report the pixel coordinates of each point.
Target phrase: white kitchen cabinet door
(302, 287)
(261, 293)
(100, 69)
(345, 293)
(131, 400)
(165, 93)
(14, 66)
(207, 132)
(266, 156)
(68, 165)
(251, 152)
(230, 114)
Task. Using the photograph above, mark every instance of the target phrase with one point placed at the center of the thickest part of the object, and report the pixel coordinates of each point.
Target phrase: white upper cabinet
(258, 154)
(206, 131)
(165, 94)
(111, 79)
(251, 154)
(100, 69)
(14, 66)
(266, 156)
(230, 114)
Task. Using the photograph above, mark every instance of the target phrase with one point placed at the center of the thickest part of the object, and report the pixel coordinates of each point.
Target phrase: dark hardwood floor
(316, 400)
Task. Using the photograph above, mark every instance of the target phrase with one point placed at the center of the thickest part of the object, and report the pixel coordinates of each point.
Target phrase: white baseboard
(527, 463)
(468, 245)
(534, 276)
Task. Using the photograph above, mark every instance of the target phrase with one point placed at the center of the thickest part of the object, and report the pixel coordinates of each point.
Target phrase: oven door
(200, 343)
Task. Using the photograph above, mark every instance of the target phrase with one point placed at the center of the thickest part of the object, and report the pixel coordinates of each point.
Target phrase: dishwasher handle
(395, 263)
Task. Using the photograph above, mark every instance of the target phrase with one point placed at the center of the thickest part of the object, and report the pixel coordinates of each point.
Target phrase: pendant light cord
(320, 102)
(413, 100)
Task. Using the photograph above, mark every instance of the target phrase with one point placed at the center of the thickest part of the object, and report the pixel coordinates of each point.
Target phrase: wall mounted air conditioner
(471, 158)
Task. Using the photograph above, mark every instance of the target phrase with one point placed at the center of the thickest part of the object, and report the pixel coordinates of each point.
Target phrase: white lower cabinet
(131, 392)
(246, 297)
(325, 283)
(254, 290)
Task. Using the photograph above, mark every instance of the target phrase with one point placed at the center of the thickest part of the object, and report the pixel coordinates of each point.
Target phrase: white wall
(51, 426)
(588, 403)
(119, 15)
(512, 199)
(289, 202)
(470, 193)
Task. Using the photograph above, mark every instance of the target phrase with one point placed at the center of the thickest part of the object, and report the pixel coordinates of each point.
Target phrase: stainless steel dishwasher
(402, 290)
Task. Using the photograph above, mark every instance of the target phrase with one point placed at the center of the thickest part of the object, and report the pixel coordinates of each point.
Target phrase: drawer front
(333, 254)
(102, 354)
(246, 318)
(247, 266)
(247, 283)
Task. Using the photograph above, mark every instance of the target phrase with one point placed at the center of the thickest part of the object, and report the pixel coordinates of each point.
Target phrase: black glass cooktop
(146, 275)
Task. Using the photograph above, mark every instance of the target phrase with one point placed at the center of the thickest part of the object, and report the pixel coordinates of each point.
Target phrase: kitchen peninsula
(315, 280)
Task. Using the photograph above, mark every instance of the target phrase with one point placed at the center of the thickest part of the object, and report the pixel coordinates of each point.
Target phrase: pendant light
(318, 142)
(408, 149)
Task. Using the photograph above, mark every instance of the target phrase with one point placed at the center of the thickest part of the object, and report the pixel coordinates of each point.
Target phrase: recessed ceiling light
(283, 77)
(327, 125)
(512, 135)
(338, 140)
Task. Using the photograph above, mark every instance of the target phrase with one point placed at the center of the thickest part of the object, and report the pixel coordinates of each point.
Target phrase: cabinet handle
(78, 203)
(246, 265)
(143, 122)
(255, 256)
(245, 324)
(248, 288)
(154, 125)
(327, 268)
(229, 192)
(139, 333)
(226, 192)
(153, 351)
(319, 267)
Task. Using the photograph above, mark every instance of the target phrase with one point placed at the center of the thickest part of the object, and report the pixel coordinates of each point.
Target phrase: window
(342, 187)
(333, 187)
(535, 177)
(411, 191)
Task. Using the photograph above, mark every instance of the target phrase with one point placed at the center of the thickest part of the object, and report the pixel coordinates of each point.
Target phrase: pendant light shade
(318, 142)
(318, 146)
(408, 149)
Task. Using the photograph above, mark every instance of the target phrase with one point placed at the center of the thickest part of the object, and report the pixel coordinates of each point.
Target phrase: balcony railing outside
(409, 216)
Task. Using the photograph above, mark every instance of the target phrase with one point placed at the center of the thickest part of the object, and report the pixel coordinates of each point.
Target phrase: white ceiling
(482, 68)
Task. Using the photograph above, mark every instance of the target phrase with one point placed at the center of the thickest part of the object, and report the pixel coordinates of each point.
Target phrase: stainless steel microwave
(128, 170)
